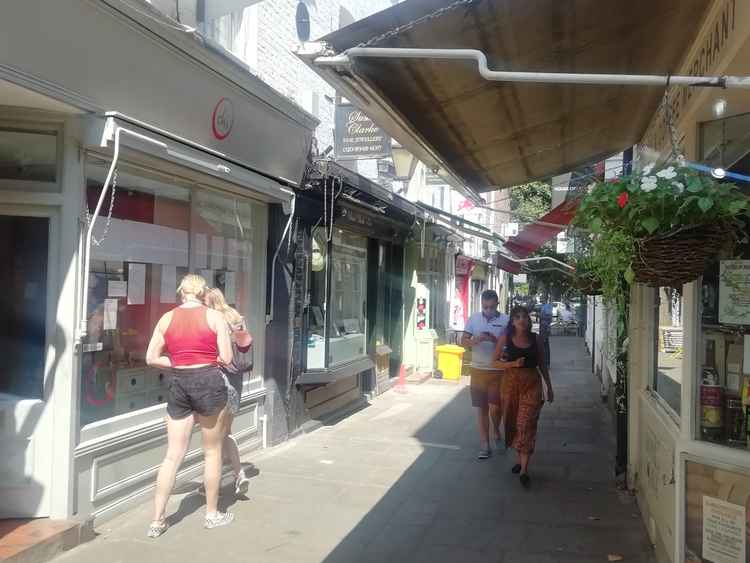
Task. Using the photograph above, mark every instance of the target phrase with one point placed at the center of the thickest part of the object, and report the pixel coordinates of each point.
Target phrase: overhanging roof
(496, 134)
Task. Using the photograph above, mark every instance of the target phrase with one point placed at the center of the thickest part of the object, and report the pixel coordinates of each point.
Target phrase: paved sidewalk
(399, 481)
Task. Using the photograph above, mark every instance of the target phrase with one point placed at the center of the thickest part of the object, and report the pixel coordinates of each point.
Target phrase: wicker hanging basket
(680, 257)
(588, 285)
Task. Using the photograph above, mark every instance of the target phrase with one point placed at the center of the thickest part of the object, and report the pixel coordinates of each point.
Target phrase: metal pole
(345, 59)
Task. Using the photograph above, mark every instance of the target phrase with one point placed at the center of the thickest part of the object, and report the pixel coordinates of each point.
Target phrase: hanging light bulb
(720, 107)
(719, 173)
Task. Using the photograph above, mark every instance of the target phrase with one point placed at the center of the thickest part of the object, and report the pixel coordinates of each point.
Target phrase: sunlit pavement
(399, 481)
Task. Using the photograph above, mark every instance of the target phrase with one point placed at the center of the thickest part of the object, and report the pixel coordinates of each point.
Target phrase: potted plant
(674, 218)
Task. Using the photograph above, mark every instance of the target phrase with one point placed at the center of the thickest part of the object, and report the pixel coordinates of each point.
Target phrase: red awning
(533, 236)
(505, 263)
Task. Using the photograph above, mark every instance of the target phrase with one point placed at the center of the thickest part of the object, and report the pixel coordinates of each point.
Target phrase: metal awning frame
(345, 61)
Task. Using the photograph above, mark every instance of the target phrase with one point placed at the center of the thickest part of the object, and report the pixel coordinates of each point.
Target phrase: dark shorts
(196, 390)
(485, 387)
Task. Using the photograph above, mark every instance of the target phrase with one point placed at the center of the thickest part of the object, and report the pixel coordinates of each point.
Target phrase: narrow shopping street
(399, 481)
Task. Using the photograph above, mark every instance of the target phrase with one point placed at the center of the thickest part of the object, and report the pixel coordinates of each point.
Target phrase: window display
(723, 400)
(348, 283)
(669, 351)
(157, 233)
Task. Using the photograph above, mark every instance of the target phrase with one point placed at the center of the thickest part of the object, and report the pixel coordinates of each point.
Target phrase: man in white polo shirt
(481, 333)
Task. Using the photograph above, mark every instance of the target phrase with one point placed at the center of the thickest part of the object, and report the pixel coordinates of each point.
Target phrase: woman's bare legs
(230, 446)
(213, 429)
(178, 438)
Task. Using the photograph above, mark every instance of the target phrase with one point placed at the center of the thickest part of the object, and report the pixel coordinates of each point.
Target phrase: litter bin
(450, 358)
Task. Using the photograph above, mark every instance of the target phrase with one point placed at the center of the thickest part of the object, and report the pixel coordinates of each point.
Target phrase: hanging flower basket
(674, 259)
(674, 218)
(588, 285)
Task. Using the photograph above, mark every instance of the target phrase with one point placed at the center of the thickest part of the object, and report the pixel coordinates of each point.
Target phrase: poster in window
(201, 250)
(168, 290)
(734, 292)
(716, 511)
(217, 253)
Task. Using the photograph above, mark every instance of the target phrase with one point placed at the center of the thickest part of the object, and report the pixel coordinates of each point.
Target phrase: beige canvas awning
(488, 134)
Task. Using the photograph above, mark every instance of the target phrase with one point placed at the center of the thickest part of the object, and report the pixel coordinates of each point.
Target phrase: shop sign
(705, 56)
(222, 119)
(734, 292)
(432, 179)
(357, 136)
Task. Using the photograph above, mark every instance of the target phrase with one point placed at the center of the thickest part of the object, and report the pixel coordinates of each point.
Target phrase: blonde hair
(192, 284)
(214, 299)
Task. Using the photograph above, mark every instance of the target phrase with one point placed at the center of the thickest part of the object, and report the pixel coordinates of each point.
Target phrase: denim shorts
(196, 390)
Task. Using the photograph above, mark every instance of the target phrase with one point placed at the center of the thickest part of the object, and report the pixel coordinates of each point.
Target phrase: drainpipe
(269, 316)
(82, 318)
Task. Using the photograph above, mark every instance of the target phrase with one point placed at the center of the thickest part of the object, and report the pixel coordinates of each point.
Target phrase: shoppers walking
(233, 373)
(192, 340)
(481, 334)
(521, 353)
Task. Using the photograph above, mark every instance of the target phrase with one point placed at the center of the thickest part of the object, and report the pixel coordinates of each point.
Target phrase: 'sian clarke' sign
(705, 56)
(357, 136)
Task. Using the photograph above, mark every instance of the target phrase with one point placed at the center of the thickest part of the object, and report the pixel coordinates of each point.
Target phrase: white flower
(667, 173)
(679, 186)
(648, 183)
(648, 168)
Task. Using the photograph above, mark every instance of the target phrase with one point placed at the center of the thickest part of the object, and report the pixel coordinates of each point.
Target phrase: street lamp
(404, 162)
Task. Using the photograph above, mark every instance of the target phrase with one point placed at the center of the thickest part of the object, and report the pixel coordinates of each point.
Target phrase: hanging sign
(734, 292)
(357, 137)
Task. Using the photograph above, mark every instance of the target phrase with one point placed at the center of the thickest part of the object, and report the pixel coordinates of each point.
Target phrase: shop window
(23, 304)
(669, 352)
(346, 327)
(723, 390)
(348, 297)
(28, 160)
(157, 233)
(724, 142)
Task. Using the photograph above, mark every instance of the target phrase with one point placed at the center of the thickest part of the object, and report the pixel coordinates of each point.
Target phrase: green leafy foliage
(532, 200)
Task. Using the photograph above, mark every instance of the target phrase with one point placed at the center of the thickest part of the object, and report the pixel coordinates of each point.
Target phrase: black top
(513, 352)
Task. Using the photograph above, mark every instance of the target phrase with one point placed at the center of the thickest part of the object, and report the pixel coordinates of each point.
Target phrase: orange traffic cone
(401, 385)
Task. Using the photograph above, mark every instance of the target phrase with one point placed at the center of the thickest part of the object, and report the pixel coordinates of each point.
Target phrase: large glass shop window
(347, 339)
(157, 233)
(669, 350)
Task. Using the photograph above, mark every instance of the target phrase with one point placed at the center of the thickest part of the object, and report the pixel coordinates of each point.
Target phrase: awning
(488, 134)
(534, 235)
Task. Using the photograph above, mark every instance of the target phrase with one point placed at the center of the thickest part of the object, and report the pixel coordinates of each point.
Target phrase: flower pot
(679, 257)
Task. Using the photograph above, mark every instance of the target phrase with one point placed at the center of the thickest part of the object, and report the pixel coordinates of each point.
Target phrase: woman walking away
(192, 340)
(521, 353)
(241, 342)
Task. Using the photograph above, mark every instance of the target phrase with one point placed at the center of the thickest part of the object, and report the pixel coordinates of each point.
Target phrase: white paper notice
(208, 275)
(117, 289)
(201, 250)
(723, 531)
(217, 253)
(136, 284)
(168, 284)
(110, 314)
(230, 287)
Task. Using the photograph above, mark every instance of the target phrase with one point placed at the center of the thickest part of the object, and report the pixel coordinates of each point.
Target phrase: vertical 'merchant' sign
(357, 136)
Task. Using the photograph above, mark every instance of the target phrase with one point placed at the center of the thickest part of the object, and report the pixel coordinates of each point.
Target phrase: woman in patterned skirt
(521, 353)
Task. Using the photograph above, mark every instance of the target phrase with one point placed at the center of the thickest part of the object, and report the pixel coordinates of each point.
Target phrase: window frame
(254, 388)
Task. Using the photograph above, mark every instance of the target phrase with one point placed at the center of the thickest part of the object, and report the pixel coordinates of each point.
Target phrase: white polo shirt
(483, 353)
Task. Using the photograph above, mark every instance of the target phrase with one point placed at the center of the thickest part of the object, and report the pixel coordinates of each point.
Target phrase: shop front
(165, 185)
(353, 232)
(689, 347)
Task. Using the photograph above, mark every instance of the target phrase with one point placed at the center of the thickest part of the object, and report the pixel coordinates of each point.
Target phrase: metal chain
(105, 232)
(676, 152)
(410, 25)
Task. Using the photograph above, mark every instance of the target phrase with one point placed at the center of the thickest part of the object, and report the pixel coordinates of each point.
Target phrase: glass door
(26, 318)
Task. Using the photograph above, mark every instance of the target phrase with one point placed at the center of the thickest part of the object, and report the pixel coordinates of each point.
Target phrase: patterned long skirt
(522, 403)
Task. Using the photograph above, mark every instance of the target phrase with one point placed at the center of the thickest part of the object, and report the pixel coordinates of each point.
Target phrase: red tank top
(189, 340)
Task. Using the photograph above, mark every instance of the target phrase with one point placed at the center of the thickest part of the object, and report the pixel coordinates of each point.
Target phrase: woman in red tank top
(192, 340)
